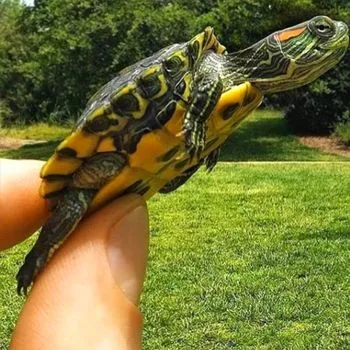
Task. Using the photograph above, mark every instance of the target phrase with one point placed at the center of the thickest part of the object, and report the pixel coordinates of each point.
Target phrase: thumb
(87, 296)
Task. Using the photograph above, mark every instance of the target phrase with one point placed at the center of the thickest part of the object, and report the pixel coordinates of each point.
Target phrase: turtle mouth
(342, 43)
(343, 37)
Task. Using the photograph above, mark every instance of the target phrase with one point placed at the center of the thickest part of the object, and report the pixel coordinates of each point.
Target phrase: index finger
(22, 210)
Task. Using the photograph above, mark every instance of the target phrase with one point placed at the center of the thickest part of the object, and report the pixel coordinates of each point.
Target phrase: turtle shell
(140, 114)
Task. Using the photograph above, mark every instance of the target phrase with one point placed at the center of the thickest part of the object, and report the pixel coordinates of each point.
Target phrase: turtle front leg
(67, 214)
(205, 94)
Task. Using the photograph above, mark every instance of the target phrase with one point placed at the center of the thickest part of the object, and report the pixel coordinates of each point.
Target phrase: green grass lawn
(263, 136)
(39, 131)
(257, 259)
(252, 256)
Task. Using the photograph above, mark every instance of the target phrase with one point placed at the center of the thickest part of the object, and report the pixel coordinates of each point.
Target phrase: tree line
(56, 54)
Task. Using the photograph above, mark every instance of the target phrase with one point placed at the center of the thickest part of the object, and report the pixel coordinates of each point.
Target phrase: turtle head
(298, 55)
(291, 57)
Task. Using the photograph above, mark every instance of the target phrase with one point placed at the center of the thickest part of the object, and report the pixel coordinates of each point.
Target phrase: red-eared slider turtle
(159, 120)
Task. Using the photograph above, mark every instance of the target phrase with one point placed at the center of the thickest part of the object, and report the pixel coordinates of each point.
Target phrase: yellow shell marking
(174, 125)
(182, 56)
(152, 146)
(236, 95)
(58, 165)
(97, 113)
(187, 79)
(142, 103)
(48, 187)
(106, 145)
(107, 112)
(118, 127)
(84, 143)
(164, 88)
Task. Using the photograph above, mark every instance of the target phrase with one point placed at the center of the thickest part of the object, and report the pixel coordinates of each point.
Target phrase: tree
(56, 54)
(10, 10)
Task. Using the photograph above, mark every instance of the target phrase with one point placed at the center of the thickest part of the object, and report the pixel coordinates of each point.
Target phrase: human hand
(87, 296)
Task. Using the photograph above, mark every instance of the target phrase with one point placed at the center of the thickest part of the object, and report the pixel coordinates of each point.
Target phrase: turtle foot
(195, 139)
(28, 271)
(25, 278)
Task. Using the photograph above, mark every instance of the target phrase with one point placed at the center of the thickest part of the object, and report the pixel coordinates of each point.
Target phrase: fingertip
(22, 210)
(127, 252)
(80, 279)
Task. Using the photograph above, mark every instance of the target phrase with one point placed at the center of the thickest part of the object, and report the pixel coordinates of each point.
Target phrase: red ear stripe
(288, 34)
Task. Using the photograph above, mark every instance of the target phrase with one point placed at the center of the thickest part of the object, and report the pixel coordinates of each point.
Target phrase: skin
(93, 282)
(87, 297)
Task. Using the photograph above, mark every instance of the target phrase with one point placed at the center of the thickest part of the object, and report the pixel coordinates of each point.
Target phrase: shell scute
(107, 144)
(152, 83)
(60, 166)
(151, 147)
(139, 113)
(103, 120)
(234, 105)
(83, 143)
(128, 102)
(177, 64)
(51, 188)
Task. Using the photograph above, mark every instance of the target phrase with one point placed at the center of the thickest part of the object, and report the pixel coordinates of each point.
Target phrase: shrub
(5, 112)
(319, 107)
(342, 133)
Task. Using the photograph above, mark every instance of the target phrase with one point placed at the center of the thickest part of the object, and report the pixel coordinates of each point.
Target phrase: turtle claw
(22, 291)
(195, 140)
(24, 278)
(26, 274)
(212, 159)
(194, 152)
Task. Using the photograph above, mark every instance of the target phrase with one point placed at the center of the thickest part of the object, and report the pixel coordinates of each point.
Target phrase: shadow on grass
(40, 151)
(327, 234)
(257, 139)
(264, 136)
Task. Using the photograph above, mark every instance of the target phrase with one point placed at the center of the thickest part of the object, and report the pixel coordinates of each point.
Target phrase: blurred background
(54, 54)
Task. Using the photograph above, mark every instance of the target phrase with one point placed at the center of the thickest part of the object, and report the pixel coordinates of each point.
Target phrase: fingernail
(127, 252)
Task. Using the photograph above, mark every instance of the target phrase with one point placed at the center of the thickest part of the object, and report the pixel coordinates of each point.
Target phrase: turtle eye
(324, 28)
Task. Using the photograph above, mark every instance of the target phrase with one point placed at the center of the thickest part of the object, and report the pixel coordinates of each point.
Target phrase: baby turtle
(151, 127)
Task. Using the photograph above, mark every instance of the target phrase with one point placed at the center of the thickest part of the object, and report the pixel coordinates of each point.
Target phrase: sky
(28, 2)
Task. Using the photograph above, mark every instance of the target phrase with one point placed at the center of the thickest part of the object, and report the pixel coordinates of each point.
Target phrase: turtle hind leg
(65, 217)
(179, 180)
(212, 159)
(69, 211)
